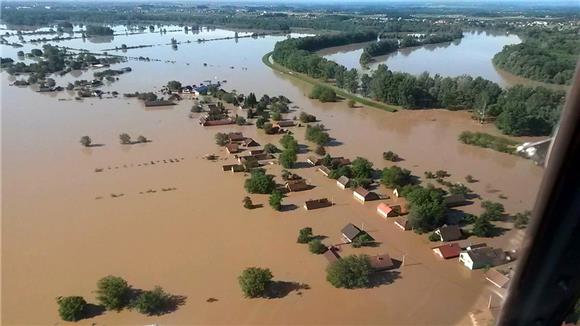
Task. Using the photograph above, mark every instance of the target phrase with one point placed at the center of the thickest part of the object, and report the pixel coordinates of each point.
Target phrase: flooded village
(158, 193)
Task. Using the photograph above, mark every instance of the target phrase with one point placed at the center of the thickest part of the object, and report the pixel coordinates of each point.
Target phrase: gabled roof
(362, 191)
(249, 142)
(236, 136)
(232, 148)
(343, 180)
(381, 262)
(317, 203)
(449, 232)
(285, 123)
(486, 256)
(296, 185)
(384, 208)
(403, 223)
(496, 278)
(449, 250)
(350, 231)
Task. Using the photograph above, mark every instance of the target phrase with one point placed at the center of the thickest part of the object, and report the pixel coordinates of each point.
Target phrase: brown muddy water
(62, 229)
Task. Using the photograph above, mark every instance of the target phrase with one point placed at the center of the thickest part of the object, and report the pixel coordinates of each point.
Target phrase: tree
(304, 235)
(289, 142)
(521, 219)
(482, 227)
(221, 139)
(125, 139)
(323, 93)
(250, 100)
(390, 156)
(275, 200)
(306, 118)
(316, 246)
(113, 292)
(350, 272)
(86, 141)
(154, 302)
(174, 86)
(362, 168)
(71, 308)
(276, 116)
(142, 139)
(362, 240)
(270, 149)
(316, 134)
(240, 121)
(492, 211)
(260, 122)
(248, 202)
(427, 211)
(254, 281)
(395, 177)
(287, 158)
(259, 183)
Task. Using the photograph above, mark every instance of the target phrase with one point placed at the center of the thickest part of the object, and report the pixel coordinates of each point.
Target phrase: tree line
(519, 110)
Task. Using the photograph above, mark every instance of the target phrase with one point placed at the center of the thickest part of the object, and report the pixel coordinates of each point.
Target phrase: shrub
(482, 227)
(316, 246)
(288, 158)
(350, 272)
(481, 139)
(125, 139)
(469, 178)
(221, 139)
(113, 292)
(395, 177)
(248, 202)
(304, 235)
(351, 103)
(323, 94)
(71, 308)
(154, 302)
(275, 200)
(240, 121)
(86, 141)
(492, 211)
(271, 149)
(260, 122)
(276, 116)
(306, 118)
(316, 134)
(521, 219)
(254, 281)
(434, 237)
(390, 156)
(363, 240)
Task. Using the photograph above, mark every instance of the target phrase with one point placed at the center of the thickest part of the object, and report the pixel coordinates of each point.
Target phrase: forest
(544, 55)
(519, 111)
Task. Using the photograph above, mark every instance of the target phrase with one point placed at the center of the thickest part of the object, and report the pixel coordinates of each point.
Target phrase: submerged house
(496, 278)
(350, 232)
(236, 136)
(232, 148)
(284, 124)
(381, 262)
(249, 142)
(343, 182)
(324, 170)
(206, 122)
(314, 160)
(385, 210)
(363, 195)
(403, 223)
(296, 185)
(449, 233)
(317, 203)
(448, 250)
(482, 257)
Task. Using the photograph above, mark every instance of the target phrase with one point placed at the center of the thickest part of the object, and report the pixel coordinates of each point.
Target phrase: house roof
(285, 123)
(331, 254)
(324, 170)
(367, 195)
(340, 161)
(232, 148)
(236, 136)
(449, 250)
(313, 160)
(343, 180)
(317, 203)
(486, 256)
(380, 262)
(350, 231)
(496, 278)
(449, 232)
(384, 208)
(296, 185)
(250, 142)
(403, 222)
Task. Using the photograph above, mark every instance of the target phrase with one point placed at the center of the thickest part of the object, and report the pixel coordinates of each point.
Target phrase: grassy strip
(482, 139)
(338, 91)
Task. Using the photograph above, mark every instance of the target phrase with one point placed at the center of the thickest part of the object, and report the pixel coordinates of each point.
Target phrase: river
(64, 225)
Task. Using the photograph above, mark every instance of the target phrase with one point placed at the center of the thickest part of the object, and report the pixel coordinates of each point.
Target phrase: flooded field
(64, 225)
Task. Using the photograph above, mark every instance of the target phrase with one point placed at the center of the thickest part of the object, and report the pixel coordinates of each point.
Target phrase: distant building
(454, 200)
(385, 210)
(403, 223)
(381, 262)
(449, 233)
(284, 124)
(482, 257)
(232, 148)
(343, 182)
(236, 136)
(363, 195)
(350, 232)
(448, 250)
(296, 185)
(249, 142)
(204, 121)
(317, 203)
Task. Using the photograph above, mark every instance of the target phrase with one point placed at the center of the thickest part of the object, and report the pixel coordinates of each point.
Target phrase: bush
(316, 247)
(484, 140)
(395, 177)
(260, 122)
(521, 219)
(469, 178)
(306, 118)
(221, 139)
(154, 302)
(350, 272)
(482, 227)
(323, 94)
(275, 200)
(71, 308)
(113, 292)
(276, 116)
(248, 202)
(240, 121)
(86, 141)
(260, 183)
(287, 158)
(271, 149)
(434, 237)
(125, 139)
(492, 211)
(351, 103)
(362, 168)
(316, 134)
(363, 240)
(254, 281)
(304, 235)
(142, 139)
(390, 156)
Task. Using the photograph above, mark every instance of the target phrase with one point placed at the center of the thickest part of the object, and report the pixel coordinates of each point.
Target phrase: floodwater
(64, 225)
(470, 55)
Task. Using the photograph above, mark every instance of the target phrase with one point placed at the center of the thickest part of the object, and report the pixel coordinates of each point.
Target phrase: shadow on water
(384, 278)
(288, 207)
(280, 289)
(93, 310)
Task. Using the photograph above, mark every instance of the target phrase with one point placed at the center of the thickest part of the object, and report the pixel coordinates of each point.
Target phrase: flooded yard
(62, 228)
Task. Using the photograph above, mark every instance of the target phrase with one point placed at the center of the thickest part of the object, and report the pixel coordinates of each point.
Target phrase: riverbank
(266, 59)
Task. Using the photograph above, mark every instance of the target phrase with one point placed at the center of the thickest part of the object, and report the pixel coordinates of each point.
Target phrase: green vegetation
(306, 118)
(248, 202)
(287, 158)
(426, 209)
(271, 149)
(221, 138)
(362, 168)
(254, 281)
(93, 30)
(482, 227)
(521, 219)
(323, 94)
(433, 237)
(545, 55)
(350, 272)
(316, 246)
(395, 177)
(316, 134)
(154, 302)
(275, 200)
(86, 141)
(482, 139)
(113, 292)
(363, 240)
(319, 150)
(304, 235)
(125, 139)
(71, 308)
(391, 156)
(260, 183)
(174, 86)
(492, 211)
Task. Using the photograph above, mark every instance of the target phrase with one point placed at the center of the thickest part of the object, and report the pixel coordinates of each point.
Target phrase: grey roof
(486, 256)
(449, 232)
(343, 180)
(350, 231)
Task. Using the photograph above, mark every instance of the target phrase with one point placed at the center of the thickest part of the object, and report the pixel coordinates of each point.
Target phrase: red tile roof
(449, 250)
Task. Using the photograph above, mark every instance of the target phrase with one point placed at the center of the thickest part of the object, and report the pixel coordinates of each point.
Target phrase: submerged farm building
(363, 195)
